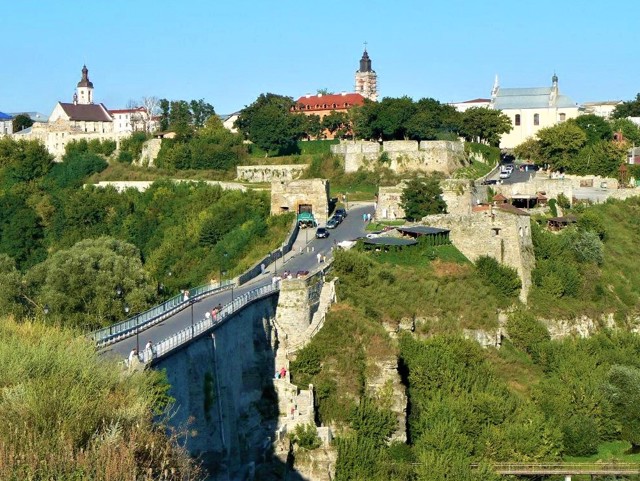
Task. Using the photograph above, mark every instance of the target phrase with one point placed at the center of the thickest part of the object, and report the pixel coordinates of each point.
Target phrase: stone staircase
(297, 406)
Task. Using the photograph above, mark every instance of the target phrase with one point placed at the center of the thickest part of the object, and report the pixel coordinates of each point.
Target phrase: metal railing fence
(143, 320)
(188, 333)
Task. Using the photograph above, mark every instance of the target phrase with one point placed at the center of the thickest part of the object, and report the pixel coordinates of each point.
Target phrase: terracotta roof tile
(329, 102)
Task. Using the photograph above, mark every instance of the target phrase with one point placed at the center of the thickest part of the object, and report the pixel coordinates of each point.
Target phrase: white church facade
(531, 109)
(81, 119)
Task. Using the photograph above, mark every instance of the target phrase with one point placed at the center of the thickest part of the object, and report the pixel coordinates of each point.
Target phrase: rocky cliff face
(224, 393)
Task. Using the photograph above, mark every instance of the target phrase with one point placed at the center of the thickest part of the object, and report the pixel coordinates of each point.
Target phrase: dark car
(322, 233)
(342, 213)
(489, 182)
(333, 223)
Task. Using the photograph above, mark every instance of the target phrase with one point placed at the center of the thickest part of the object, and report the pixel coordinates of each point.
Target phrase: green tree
(165, 110)
(560, 144)
(201, 111)
(12, 301)
(431, 119)
(269, 123)
(363, 119)
(481, 124)
(79, 284)
(595, 127)
(630, 108)
(338, 123)
(422, 196)
(29, 160)
(529, 150)
(622, 387)
(503, 278)
(313, 127)
(599, 158)
(393, 116)
(21, 233)
(527, 333)
(21, 121)
(630, 131)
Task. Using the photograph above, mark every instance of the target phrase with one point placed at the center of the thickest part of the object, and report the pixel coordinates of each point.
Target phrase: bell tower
(84, 91)
(366, 78)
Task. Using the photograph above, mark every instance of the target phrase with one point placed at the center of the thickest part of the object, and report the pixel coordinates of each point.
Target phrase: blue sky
(229, 52)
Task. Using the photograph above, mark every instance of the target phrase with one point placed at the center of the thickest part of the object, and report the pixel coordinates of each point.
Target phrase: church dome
(85, 82)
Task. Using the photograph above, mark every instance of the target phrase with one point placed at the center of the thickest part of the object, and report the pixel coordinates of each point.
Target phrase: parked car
(322, 233)
(332, 223)
(489, 182)
(342, 213)
(505, 174)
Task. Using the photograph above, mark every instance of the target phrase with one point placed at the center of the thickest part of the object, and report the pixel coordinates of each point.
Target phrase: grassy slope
(613, 287)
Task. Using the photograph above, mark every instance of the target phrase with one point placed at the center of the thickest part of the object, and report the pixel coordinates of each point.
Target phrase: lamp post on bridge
(126, 313)
(192, 327)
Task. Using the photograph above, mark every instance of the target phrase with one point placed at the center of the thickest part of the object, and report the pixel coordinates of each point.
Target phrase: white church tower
(84, 91)
(366, 78)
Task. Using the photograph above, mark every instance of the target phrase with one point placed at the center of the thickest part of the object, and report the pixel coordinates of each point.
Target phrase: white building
(468, 104)
(6, 124)
(531, 109)
(601, 109)
(133, 120)
(78, 120)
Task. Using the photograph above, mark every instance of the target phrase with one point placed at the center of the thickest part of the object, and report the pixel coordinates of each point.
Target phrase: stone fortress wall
(289, 196)
(404, 155)
(56, 135)
(505, 236)
(269, 173)
(459, 194)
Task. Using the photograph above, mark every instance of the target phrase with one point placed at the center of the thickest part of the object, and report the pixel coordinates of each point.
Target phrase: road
(351, 228)
(516, 176)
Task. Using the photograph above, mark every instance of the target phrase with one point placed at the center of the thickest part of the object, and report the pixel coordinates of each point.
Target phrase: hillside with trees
(535, 399)
(152, 244)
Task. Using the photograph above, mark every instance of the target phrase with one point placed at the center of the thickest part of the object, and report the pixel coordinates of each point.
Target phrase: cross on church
(365, 45)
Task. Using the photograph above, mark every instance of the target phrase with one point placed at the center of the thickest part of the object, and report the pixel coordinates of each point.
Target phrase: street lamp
(126, 312)
(192, 329)
(224, 264)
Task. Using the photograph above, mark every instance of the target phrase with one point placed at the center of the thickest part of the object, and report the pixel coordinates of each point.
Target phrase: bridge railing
(565, 468)
(143, 320)
(187, 334)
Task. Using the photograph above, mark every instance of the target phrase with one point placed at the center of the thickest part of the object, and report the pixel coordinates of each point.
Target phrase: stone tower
(84, 91)
(366, 78)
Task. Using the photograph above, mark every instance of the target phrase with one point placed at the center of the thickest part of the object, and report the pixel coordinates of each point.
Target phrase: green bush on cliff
(70, 414)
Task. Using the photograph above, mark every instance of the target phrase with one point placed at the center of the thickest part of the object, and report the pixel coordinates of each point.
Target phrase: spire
(365, 61)
(85, 82)
(496, 87)
(554, 79)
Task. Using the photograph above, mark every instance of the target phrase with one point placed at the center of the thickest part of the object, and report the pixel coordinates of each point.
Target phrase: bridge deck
(545, 469)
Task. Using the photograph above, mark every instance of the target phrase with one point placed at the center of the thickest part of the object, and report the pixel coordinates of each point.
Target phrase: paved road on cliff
(351, 228)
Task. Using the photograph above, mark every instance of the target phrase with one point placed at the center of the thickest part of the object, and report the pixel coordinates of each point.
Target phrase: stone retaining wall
(269, 173)
(403, 155)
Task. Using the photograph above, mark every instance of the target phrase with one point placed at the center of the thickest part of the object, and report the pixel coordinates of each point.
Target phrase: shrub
(503, 278)
(580, 435)
(591, 221)
(588, 247)
(563, 201)
(527, 333)
(373, 422)
(552, 207)
(306, 436)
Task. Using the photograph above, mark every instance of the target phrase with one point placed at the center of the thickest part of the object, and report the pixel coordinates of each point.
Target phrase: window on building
(536, 119)
(517, 119)
(563, 117)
